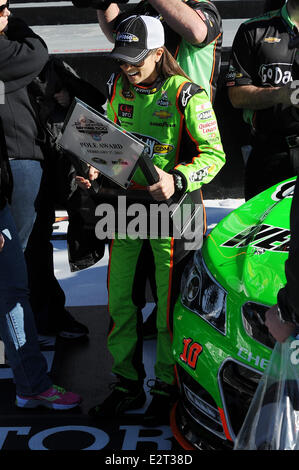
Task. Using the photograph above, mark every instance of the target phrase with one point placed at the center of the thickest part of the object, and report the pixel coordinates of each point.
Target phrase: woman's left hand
(165, 187)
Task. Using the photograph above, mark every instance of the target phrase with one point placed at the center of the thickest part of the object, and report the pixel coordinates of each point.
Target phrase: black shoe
(164, 397)
(149, 327)
(126, 395)
(70, 328)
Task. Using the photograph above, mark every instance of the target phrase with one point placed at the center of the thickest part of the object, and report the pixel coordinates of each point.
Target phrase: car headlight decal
(203, 295)
(192, 286)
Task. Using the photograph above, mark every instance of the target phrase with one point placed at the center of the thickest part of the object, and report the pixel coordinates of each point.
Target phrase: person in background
(262, 71)
(17, 327)
(52, 93)
(193, 35)
(23, 56)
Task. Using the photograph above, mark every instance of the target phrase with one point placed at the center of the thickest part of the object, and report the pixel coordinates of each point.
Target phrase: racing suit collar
(150, 89)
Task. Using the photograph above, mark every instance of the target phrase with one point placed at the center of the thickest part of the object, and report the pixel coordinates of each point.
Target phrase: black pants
(269, 163)
(46, 296)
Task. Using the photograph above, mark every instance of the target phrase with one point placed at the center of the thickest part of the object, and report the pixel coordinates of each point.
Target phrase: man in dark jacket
(17, 327)
(262, 71)
(23, 55)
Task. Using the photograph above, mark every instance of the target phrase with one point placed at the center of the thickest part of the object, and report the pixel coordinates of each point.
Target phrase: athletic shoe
(149, 327)
(126, 395)
(56, 398)
(164, 397)
(70, 328)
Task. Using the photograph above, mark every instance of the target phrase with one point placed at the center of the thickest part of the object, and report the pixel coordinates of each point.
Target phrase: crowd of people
(169, 55)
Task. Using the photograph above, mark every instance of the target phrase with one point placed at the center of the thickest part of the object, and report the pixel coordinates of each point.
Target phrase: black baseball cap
(136, 37)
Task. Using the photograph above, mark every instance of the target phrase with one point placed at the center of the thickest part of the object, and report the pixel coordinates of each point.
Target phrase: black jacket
(5, 172)
(84, 249)
(23, 54)
(288, 297)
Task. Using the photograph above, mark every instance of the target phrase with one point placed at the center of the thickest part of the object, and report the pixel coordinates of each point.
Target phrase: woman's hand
(93, 173)
(165, 187)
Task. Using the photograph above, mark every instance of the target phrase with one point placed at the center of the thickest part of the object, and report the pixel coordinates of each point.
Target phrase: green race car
(221, 345)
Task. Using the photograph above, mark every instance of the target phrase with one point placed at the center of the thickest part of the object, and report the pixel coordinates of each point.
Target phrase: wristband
(178, 182)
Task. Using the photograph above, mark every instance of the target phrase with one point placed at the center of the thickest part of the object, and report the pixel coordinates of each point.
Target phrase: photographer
(263, 65)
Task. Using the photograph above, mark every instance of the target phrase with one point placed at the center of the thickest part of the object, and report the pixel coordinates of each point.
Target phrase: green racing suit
(176, 119)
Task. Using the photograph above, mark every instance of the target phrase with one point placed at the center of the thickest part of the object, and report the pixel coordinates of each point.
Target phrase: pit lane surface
(84, 366)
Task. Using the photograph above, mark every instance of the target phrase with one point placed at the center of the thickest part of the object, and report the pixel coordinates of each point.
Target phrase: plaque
(96, 140)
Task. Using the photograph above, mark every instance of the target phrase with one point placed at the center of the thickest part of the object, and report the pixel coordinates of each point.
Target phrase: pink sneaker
(55, 397)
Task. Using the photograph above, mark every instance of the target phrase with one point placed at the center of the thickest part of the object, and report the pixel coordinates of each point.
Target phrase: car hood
(247, 250)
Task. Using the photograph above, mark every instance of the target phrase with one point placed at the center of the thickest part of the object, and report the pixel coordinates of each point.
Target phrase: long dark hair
(166, 67)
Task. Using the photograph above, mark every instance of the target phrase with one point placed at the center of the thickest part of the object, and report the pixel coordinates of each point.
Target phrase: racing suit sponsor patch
(208, 127)
(204, 115)
(203, 106)
(125, 110)
(127, 95)
(199, 175)
(164, 101)
(162, 114)
(154, 146)
(161, 124)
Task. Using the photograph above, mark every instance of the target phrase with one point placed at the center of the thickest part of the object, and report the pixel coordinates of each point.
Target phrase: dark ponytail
(168, 66)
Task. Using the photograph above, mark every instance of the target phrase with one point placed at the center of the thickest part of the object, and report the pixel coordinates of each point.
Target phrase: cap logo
(126, 37)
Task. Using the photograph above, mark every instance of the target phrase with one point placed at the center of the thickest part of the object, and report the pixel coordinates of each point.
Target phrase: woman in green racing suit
(153, 99)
